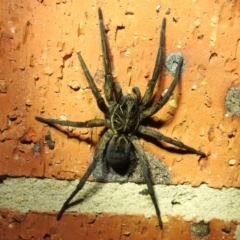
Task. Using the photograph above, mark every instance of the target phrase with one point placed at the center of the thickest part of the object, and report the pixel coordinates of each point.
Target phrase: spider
(123, 116)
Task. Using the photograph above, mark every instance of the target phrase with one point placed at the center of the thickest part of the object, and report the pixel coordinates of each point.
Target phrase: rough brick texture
(40, 75)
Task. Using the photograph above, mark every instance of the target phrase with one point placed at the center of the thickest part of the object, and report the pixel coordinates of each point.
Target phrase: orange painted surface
(39, 43)
(14, 225)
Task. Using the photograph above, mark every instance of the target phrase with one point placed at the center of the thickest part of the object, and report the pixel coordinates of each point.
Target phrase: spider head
(125, 115)
(128, 104)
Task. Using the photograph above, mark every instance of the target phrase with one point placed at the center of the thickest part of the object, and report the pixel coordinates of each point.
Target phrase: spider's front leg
(147, 175)
(100, 101)
(108, 85)
(97, 157)
(159, 136)
(155, 108)
(157, 69)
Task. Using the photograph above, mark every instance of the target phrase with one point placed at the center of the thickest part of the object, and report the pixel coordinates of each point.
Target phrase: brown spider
(123, 117)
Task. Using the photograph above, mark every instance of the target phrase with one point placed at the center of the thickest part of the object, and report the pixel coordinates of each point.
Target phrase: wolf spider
(123, 117)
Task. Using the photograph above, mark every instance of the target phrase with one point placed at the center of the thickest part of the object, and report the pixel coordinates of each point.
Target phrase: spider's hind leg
(97, 157)
(147, 176)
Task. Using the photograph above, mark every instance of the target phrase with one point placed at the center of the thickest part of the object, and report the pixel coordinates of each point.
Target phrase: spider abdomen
(118, 152)
(125, 115)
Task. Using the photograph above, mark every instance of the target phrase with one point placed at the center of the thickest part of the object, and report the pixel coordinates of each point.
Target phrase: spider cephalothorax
(123, 118)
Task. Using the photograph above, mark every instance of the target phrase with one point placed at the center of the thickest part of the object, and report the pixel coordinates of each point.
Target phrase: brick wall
(40, 75)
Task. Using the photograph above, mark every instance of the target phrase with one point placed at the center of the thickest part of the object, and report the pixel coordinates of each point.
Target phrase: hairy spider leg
(100, 101)
(159, 136)
(97, 157)
(157, 69)
(156, 107)
(147, 175)
(87, 124)
(108, 85)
